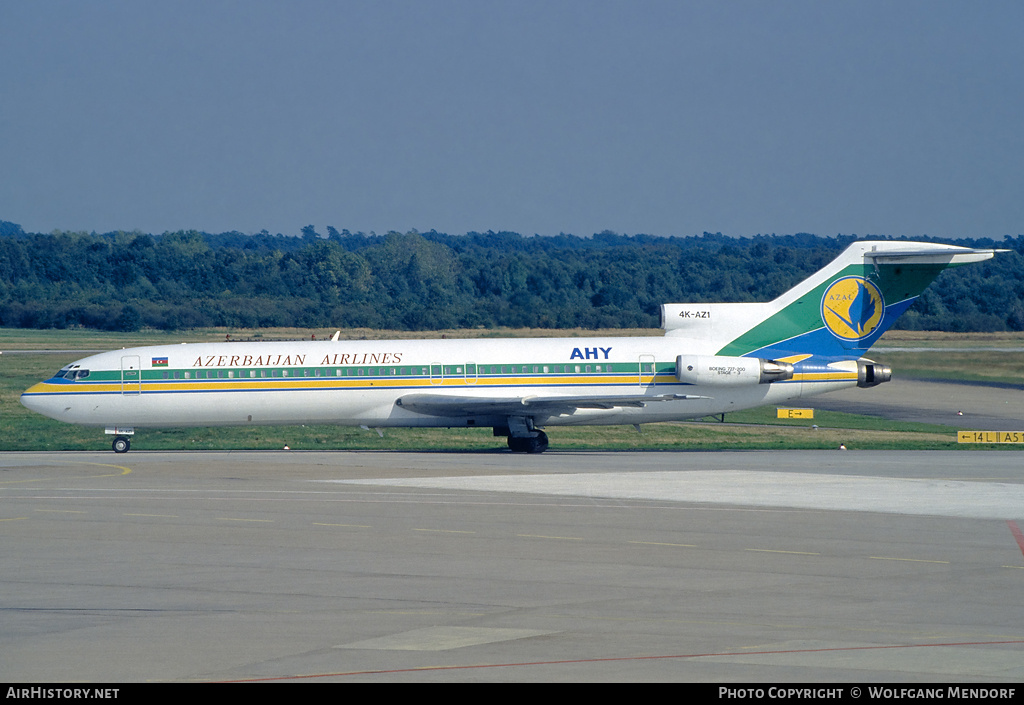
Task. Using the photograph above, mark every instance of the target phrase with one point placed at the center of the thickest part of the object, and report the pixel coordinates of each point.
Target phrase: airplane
(713, 359)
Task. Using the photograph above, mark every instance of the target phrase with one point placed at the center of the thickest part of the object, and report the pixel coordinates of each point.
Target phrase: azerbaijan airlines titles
(385, 358)
(285, 360)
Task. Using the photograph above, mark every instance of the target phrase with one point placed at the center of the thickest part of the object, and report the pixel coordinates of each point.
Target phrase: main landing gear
(523, 436)
(529, 444)
(121, 444)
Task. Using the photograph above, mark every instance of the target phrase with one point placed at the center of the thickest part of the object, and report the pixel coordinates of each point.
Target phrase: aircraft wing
(446, 405)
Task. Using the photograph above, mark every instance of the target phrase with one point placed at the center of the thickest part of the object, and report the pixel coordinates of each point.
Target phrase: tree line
(428, 281)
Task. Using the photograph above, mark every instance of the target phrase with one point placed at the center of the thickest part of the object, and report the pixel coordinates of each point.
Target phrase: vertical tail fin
(839, 312)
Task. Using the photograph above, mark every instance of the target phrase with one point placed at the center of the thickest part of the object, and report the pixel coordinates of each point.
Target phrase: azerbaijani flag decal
(159, 362)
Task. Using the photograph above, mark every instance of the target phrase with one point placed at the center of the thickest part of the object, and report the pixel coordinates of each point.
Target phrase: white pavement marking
(953, 498)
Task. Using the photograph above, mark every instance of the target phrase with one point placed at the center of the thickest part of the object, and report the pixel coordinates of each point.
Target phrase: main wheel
(121, 444)
(517, 444)
(538, 444)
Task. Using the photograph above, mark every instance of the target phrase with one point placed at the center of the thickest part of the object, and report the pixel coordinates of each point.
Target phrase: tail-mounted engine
(721, 371)
(872, 374)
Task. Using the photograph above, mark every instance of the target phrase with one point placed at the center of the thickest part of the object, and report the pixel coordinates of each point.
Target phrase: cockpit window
(71, 375)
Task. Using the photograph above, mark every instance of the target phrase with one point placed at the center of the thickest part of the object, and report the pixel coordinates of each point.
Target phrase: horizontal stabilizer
(949, 255)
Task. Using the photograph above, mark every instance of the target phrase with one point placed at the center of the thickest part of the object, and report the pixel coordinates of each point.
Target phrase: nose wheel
(121, 444)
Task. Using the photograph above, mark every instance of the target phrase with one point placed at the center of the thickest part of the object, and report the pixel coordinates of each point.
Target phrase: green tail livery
(839, 312)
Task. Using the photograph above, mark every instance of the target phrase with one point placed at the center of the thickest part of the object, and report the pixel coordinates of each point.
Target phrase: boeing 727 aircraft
(713, 359)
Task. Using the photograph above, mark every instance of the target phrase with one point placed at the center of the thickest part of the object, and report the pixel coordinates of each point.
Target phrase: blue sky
(667, 118)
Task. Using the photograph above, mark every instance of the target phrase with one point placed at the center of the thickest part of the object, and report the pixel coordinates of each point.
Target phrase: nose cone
(38, 398)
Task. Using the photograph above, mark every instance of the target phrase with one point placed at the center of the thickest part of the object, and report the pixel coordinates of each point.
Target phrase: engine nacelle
(872, 374)
(722, 371)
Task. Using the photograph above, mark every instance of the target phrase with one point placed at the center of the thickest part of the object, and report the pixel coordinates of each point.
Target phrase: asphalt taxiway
(365, 566)
(977, 407)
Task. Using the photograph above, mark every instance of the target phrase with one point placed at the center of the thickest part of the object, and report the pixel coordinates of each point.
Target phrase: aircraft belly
(307, 407)
(217, 408)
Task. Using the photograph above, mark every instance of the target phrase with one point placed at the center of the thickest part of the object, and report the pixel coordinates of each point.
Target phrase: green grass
(754, 429)
(958, 357)
(984, 366)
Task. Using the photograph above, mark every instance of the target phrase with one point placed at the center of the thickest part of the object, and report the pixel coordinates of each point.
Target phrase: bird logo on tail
(852, 308)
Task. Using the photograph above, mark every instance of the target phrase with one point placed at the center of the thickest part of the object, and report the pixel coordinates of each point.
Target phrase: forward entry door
(131, 375)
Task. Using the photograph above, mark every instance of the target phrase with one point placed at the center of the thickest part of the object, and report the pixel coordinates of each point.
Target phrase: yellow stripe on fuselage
(242, 384)
(844, 376)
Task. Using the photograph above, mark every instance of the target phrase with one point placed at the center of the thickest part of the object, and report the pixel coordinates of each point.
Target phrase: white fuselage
(359, 382)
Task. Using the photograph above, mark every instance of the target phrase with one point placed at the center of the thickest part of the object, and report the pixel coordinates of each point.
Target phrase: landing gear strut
(121, 444)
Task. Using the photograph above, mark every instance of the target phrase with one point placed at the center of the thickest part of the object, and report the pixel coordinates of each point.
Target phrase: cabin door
(131, 375)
